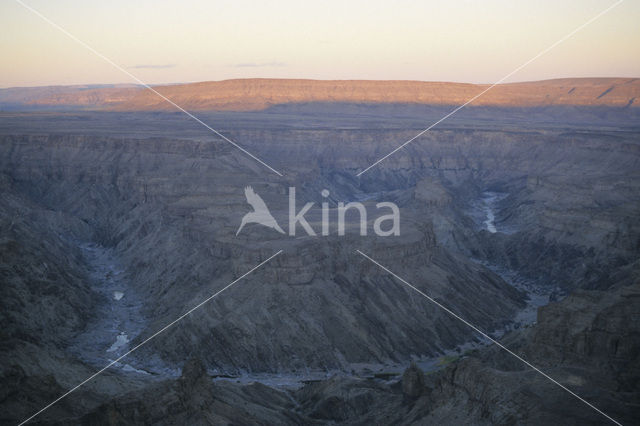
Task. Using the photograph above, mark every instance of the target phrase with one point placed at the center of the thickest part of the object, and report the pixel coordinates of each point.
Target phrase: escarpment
(261, 93)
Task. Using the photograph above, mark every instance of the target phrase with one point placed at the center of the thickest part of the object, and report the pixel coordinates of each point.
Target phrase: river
(118, 318)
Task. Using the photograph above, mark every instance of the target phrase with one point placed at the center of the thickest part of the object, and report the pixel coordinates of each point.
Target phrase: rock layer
(168, 205)
(258, 94)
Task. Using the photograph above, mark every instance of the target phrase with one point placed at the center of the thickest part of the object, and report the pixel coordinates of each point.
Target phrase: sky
(192, 40)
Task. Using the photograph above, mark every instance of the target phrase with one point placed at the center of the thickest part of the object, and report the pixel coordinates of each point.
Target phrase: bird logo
(260, 213)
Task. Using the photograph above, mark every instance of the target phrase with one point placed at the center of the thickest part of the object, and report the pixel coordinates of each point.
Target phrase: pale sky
(193, 40)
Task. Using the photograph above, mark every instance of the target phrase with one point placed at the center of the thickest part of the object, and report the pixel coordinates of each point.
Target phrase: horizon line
(129, 85)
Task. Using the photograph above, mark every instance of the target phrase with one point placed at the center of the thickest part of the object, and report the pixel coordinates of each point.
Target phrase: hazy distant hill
(62, 96)
(258, 94)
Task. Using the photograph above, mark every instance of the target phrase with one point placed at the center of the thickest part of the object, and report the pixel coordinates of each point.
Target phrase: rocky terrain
(114, 224)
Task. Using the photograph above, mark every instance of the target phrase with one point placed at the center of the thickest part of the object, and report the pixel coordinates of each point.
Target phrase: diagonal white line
(181, 317)
(85, 45)
(543, 52)
(488, 337)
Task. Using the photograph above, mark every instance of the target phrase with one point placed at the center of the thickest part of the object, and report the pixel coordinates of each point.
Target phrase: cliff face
(258, 94)
(482, 387)
(166, 200)
(605, 339)
(171, 208)
(589, 342)
(572, 195)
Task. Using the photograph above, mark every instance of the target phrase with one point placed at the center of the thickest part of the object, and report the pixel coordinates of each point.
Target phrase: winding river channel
(119, 319)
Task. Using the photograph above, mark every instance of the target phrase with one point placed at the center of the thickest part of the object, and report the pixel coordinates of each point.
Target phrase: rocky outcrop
(412, 382)
(194, 399)
(581, 342)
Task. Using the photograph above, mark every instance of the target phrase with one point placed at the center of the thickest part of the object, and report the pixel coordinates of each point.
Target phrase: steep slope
(483, 387)
(590, 342)
(170, 208)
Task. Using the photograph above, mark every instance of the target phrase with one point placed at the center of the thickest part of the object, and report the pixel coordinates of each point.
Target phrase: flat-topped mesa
(259, 94)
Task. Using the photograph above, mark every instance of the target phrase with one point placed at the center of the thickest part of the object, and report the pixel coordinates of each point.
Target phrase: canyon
(520, 215)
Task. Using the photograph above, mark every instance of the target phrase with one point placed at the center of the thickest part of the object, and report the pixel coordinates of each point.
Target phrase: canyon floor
(524, 222)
